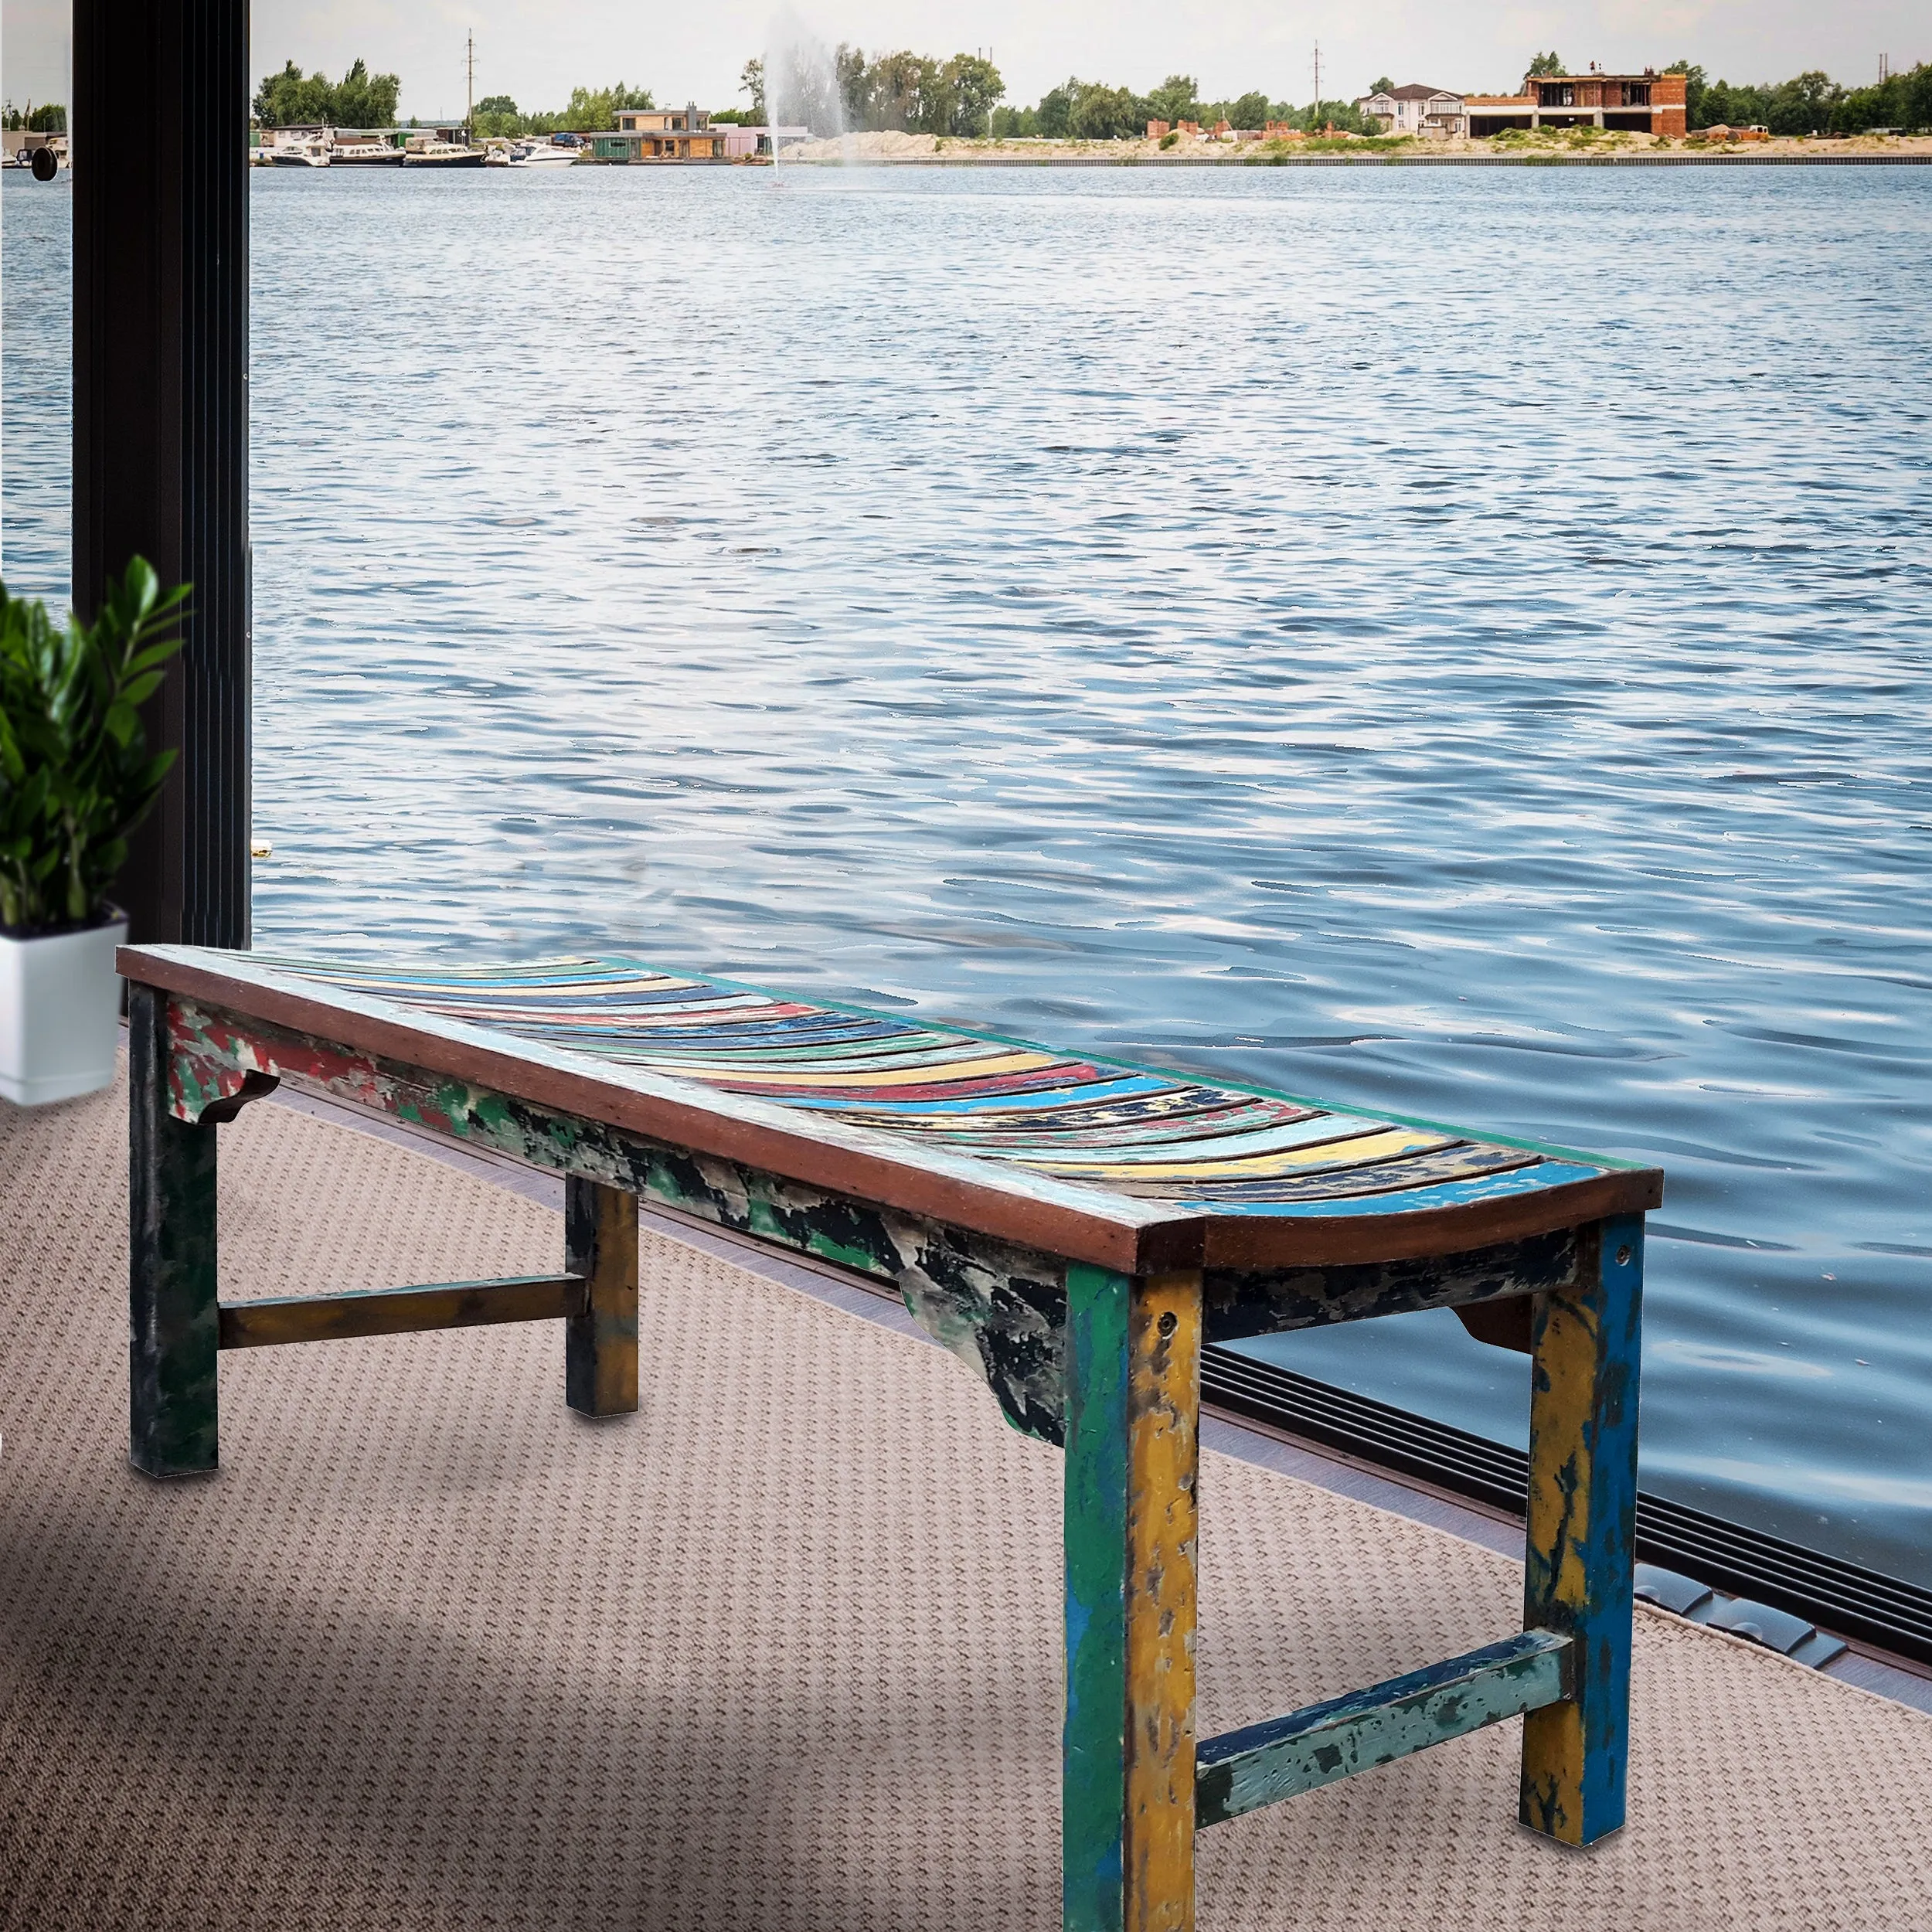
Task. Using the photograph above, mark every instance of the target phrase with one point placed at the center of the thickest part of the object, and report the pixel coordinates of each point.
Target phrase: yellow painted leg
(1134, 1385)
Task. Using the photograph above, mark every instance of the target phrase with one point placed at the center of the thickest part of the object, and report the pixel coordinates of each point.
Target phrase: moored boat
(311, 153)
(442, 154)
(364, 152)
(541, 154)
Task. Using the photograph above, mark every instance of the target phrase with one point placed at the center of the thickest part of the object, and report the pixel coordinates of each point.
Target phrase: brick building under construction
(1647, 102)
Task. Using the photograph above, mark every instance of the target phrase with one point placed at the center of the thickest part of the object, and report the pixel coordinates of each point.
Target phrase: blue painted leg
(1581, 1527)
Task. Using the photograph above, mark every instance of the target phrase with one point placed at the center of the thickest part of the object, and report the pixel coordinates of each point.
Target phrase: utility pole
(1314, 120)
(469, 97)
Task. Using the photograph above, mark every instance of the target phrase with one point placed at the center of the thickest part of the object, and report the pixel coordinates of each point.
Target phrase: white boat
(443, 154)
(311, 153)
(541, 154)
(364, 153)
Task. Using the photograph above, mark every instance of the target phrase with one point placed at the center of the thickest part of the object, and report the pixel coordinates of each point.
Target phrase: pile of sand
(890, 145)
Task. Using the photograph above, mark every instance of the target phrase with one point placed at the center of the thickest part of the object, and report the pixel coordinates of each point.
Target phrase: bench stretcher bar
(1245, 1770)
(446, 1304)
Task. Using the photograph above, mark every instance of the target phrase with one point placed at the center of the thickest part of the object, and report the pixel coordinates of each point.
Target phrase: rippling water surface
(1447, 641)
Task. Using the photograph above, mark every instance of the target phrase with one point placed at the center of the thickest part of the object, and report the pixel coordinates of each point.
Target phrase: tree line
(48, 118)
(1809, 104)
(360, 99)
(911, 93)
(1091, 110)
(589, 111)
(917, 94)
(965, 96)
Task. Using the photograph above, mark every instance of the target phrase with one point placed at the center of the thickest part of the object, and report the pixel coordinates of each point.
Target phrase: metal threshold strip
(1886, 1611)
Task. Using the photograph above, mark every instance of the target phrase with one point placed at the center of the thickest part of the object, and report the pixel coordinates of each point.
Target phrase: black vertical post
(159, 123)
(174, 1318)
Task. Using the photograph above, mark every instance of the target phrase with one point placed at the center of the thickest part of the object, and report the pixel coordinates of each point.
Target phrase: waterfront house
(662, 133)
(1415, 109)
(1649, 103)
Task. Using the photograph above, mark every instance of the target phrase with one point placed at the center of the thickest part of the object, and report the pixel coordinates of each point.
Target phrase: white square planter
(60, 1014)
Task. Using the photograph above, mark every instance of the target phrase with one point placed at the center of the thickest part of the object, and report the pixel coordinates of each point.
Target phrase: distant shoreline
(1575, 148)
(1918, 159)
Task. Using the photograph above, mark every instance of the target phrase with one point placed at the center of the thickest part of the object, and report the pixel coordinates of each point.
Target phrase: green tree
(1055, 110)
(1918, 96)
(1803, 104)
(899, 91)
(1383, 85)
(1344, 116)
(974, 88)
(1177, 98)
(1542, 63)
(364, 100)
(292, 99)
(498, 114)
(593, 110)
(1016, 123)
(751, 80)
(48, 118)
(1101, 112)
(853, 75)
(1251, 111)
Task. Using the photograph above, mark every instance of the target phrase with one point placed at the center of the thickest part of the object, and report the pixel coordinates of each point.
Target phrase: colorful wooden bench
(1072, 1228)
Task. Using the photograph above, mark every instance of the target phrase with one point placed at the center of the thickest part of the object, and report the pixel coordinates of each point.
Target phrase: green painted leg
(600, 1345)
(1132, 1426)
(1582, 1528)
(173, 1328)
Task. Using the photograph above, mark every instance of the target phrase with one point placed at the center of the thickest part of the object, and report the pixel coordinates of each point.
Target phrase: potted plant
(76, 777)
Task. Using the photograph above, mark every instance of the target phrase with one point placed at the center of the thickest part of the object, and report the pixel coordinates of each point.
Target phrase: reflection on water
(1449, 642)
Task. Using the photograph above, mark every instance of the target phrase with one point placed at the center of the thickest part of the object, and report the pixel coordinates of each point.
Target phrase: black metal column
(160, 129)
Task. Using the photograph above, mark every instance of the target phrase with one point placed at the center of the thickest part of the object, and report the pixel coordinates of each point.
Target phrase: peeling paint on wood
(173, 1324)
(1271, 1300)
(1132, 1459)
(999, 1308)
(1265, 1763)
(1580, 1548)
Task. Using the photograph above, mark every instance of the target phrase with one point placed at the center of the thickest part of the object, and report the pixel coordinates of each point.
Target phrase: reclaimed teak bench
(1073, 1228)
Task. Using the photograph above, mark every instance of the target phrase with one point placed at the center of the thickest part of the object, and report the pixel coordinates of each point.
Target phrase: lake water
(1447, 641)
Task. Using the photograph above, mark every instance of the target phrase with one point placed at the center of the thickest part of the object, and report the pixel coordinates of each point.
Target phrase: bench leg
(600, 1345)
(1133, 1428)
(1582, 1528)
(173, 1325)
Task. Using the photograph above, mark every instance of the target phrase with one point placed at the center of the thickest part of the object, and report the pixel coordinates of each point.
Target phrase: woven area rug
(781, 1652)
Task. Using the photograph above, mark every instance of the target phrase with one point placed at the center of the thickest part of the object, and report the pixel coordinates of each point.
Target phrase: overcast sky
(536, 50)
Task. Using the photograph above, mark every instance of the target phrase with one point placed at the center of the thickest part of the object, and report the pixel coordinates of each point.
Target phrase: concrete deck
(780, 1651)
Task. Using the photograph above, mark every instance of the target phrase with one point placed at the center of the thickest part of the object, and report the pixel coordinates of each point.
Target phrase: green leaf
(75, 773)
